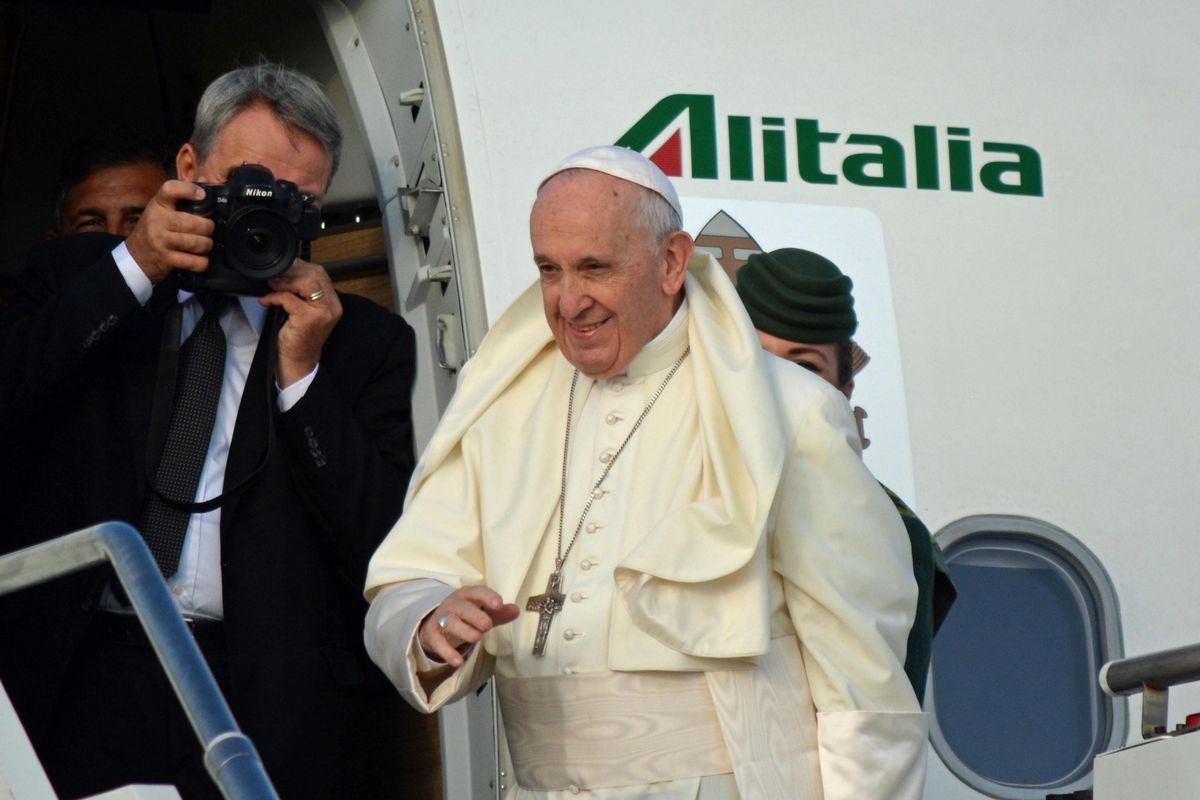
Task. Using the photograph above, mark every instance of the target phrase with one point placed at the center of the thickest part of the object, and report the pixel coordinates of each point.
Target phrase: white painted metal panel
(21, 773)
(1162, 769)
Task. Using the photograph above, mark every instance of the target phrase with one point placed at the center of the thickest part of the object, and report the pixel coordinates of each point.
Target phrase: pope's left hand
(306, 293)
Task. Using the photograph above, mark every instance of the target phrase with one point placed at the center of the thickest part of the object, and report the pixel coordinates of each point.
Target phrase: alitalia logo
(680, 135)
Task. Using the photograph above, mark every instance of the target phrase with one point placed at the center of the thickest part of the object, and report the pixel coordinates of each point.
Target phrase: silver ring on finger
(315, 296)
(442, 621)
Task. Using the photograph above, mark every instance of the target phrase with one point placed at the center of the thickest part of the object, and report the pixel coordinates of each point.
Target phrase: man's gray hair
(652, 214)
(293, 97)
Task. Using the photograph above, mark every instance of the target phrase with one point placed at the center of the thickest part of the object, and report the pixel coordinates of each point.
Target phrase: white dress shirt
(197, 583)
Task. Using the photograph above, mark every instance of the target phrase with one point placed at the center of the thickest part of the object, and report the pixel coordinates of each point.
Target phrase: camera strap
(164, 406)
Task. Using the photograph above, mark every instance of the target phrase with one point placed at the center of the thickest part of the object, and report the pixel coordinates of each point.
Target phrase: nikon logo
(258, 191)
(680, 135)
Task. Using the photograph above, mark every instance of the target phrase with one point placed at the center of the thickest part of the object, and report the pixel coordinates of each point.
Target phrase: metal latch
(412, 97)
(451, 349)
(442, 273)
(420, 204)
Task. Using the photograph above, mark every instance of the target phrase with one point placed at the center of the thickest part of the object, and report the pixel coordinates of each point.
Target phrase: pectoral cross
(547, 605)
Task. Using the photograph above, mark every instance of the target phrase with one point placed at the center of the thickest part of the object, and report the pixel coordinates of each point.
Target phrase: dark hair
(293, 97)
(114, 147)
(845, 366)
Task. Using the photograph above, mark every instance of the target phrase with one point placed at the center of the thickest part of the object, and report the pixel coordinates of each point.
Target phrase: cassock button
(585, 564)
(576, 597)
(606, 456)
(618, 387)
(570, 633)
(613, 419)
(592, 527)
(573, 789)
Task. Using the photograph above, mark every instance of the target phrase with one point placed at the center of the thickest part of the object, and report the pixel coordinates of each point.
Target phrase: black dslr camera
(262, 225)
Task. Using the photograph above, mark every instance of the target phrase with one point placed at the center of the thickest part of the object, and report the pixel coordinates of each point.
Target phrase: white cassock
(738, 599)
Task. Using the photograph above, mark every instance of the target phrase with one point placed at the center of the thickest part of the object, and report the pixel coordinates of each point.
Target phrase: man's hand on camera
(306, 293)
(166, 239)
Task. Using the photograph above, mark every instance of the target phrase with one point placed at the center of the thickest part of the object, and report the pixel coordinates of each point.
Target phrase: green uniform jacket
(935, 595)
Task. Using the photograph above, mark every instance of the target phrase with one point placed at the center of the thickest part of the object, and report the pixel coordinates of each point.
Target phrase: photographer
(307, 393)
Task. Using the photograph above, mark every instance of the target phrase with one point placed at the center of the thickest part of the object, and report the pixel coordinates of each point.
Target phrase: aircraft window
(1014, 702)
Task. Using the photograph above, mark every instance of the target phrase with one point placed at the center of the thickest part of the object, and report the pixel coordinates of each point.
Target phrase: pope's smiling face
(608, 287)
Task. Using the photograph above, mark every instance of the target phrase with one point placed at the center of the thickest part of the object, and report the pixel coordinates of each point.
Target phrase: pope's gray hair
(651, 212)
(293, 97)
(654, 215)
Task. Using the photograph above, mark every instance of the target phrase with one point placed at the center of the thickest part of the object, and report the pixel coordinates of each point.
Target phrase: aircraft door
(388, 55)
(420, 186)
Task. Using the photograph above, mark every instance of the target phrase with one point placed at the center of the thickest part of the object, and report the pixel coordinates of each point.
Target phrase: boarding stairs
(229, 756)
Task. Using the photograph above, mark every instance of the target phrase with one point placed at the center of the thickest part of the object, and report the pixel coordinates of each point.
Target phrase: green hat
(798, 296)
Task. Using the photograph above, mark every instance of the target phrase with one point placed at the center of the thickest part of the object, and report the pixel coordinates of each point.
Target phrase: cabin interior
(70, 67)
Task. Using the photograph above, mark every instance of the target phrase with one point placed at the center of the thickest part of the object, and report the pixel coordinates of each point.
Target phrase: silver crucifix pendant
(547, 605)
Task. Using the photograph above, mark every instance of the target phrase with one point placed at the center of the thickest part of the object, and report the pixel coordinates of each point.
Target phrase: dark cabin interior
(67, 68)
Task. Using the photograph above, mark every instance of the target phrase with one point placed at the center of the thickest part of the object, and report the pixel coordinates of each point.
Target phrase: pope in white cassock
(657, 536)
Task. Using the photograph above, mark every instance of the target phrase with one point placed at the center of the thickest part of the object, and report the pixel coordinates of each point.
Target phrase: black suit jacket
(79, 359)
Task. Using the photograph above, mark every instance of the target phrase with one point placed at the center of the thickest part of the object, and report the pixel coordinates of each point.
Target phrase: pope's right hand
(465, 615)
(166, 239)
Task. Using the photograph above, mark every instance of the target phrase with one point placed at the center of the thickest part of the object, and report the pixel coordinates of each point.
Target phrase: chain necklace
(551, 601)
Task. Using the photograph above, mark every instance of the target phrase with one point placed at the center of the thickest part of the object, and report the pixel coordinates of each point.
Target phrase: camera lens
(260, 243)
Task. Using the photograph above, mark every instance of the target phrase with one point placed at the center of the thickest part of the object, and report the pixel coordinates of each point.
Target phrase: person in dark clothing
(310, 449)
(104, 181)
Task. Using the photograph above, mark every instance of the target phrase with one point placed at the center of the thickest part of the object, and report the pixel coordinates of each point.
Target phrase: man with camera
(201, 383)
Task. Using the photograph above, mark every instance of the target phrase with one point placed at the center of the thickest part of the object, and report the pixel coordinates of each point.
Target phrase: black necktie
(197, 392)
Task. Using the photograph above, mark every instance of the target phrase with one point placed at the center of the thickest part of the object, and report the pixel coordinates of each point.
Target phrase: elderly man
(105, 180)
(661, 541)
(298, 401)
(803, 311)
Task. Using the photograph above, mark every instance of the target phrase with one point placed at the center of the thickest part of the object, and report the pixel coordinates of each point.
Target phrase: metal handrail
(1161, 670)
(1152, 675)
(229, 756)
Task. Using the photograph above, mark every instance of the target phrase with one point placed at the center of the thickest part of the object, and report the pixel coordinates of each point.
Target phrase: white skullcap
(621, 162)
